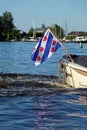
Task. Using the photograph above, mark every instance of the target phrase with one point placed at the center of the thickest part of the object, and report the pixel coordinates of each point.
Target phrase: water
(40, 107)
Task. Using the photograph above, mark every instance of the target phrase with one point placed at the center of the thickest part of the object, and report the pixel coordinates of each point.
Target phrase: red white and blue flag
(45, 48)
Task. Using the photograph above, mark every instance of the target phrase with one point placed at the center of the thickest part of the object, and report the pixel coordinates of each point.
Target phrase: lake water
(40, 107)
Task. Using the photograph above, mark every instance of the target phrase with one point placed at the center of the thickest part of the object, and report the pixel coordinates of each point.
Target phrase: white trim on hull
(76, 75)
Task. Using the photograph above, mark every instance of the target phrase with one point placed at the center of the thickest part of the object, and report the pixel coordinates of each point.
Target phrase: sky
(70, 14)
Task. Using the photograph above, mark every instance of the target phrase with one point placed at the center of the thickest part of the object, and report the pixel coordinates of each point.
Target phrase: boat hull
(76, 75)
(80, 41)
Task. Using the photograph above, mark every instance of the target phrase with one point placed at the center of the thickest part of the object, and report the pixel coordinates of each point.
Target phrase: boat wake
(27, 84)
(31, 85)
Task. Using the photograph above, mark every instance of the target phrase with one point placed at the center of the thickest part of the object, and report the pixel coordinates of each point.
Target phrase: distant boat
(13, 40)
(74, 74)
(32, 39)
(82, 39)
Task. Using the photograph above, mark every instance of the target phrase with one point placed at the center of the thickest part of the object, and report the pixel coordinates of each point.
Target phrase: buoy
(81, 45)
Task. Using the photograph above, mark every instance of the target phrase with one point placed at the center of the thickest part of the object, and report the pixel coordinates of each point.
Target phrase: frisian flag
(45, 48)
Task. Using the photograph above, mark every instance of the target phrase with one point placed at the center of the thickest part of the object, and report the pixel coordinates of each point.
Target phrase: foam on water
(26, 84)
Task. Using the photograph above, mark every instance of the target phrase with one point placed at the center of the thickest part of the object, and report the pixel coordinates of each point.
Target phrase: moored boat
(82, 39)
(74, 74)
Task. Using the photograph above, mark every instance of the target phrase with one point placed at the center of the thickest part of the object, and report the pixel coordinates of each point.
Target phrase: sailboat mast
(34, 34)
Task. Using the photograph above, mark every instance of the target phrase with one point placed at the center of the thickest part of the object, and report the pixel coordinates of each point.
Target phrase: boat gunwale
(76, 66)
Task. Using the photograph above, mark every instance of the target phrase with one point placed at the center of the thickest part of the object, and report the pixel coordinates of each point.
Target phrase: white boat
(74, 74)
(32, 39)
(79, 39)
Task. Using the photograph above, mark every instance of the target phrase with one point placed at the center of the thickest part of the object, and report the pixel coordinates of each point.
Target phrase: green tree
(57, 30)
(8, 25)
(30, 33)
(43, 26)
(1, 28)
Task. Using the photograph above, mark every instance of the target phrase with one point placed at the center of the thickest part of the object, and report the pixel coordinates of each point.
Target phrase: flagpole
(67, 53)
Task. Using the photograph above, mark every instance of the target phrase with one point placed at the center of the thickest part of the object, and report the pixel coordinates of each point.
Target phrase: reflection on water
(43, 111)
(60, 109)
(83, 99)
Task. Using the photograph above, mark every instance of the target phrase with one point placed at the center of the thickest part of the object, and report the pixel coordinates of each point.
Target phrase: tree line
(9, 31)
(6, 25)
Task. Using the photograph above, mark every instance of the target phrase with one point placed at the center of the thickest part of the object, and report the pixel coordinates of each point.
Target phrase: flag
(45, 48)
